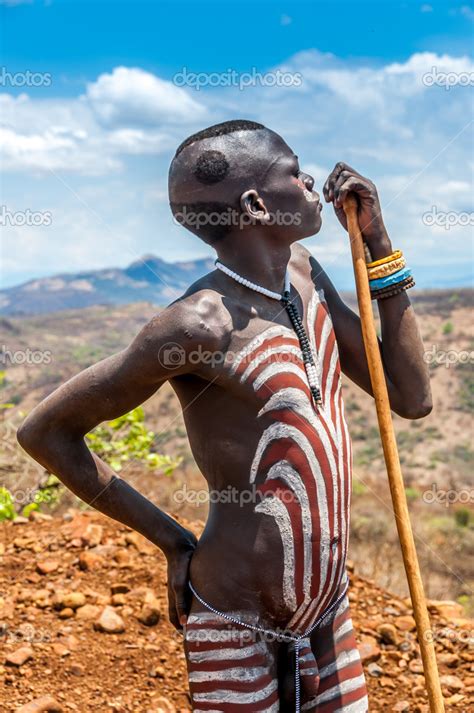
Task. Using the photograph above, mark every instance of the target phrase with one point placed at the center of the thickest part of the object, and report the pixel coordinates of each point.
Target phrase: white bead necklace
(308, 360)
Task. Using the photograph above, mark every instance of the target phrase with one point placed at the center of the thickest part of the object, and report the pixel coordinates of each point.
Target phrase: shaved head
(212, 168)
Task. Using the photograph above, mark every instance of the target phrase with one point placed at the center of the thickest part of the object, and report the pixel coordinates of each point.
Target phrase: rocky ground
(83, 627)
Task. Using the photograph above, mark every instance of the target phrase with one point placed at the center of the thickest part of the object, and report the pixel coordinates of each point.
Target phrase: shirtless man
(273, 555)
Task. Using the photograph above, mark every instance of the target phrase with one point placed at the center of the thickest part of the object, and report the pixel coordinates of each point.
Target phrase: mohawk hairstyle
(227, 127)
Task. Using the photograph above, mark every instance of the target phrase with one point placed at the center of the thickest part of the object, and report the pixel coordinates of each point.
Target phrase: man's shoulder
(307, 265)
(196, 318)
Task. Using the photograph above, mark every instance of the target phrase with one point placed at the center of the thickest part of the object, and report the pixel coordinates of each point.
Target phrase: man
(262, 595)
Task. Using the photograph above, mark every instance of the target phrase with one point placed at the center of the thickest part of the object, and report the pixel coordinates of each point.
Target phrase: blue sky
(90, 147)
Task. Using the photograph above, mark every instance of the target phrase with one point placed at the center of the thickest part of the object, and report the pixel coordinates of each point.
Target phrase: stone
(88, 612)
(369, 651)
(89, 560)
(19, 656)
(73, 600)
(150, 613)
(119, 588)
(387, 633)
(47, 566)
(45, 704)
(405, 623)
(109, 622)
(452, 683)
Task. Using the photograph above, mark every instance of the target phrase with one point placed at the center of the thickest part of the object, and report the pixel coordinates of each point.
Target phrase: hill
(83, 615)
(148, 279)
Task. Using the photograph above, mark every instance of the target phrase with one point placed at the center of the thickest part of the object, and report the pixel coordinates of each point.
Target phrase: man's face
(288, 193)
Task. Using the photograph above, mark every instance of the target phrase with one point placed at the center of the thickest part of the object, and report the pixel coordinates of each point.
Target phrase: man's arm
(401, 346)
(53, 434)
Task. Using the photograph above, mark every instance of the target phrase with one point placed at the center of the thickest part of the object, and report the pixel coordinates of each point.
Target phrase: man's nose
(308, 181)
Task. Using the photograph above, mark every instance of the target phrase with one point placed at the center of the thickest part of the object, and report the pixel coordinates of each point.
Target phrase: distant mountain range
(149, 279)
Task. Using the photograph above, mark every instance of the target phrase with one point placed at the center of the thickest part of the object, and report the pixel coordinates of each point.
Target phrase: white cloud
(130, 97)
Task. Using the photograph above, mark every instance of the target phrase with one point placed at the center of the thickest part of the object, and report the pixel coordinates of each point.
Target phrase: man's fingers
(182, 605)
(354, 183)
(339, 168)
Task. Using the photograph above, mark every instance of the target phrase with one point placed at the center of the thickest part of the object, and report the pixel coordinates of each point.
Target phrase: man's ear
(253, 206)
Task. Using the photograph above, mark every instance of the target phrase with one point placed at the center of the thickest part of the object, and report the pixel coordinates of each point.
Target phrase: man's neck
(257, 258)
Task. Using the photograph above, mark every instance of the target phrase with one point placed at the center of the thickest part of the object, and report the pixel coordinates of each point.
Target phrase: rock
(387, 633)
(374, 670)
(37, 516)
(161, 705)
(405, 623)
(45, 704)
(118, 600)
(401, 707)
(19, 656)
(66, 613)
(47, 566)
(73, 600)
(88, 612)
(150, 613)
(89, 560)
(60, 649)
(120, 588)
(369, 651)
(109, 622)
(446, 609)
(92, 535)
(451, 683)
(416, 666)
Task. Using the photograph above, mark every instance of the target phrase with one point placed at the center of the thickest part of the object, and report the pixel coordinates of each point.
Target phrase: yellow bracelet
(388, 268)
(393, 256)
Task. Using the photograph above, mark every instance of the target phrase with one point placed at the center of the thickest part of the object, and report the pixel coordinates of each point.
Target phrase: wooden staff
(392, 461)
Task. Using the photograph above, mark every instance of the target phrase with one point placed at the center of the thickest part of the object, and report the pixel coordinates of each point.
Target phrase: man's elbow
(29, 435)
(414, 409)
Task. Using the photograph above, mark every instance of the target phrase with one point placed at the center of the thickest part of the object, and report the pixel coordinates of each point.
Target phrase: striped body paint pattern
(303, 461)
(232, 669)
(302, 468)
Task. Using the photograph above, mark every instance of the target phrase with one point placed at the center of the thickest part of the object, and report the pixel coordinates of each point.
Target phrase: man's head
(239, 174)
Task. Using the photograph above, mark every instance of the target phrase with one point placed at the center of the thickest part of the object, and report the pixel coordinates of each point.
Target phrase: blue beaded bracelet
(390, 279)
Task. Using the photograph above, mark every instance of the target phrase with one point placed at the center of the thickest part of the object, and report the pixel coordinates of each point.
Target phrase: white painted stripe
(275, 508)
(341, 689)
(240, 673)
(344, 629)
(222, 654)
(277, 330)
(276, 369)
(227, 696)
(267, 353)
(361, 706)
(285, 471)
(344, 659)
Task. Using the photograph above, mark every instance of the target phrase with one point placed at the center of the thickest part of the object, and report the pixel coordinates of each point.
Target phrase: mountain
(148, 279)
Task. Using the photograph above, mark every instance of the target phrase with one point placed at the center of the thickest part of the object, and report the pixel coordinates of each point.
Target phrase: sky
(96, 96)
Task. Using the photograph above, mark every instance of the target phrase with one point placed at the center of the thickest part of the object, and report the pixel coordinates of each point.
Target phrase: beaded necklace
(296, 321)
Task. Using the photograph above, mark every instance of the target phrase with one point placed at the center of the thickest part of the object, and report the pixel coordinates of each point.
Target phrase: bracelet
(390, 279)
(394, 290)
(393, 256)
(386, 269)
